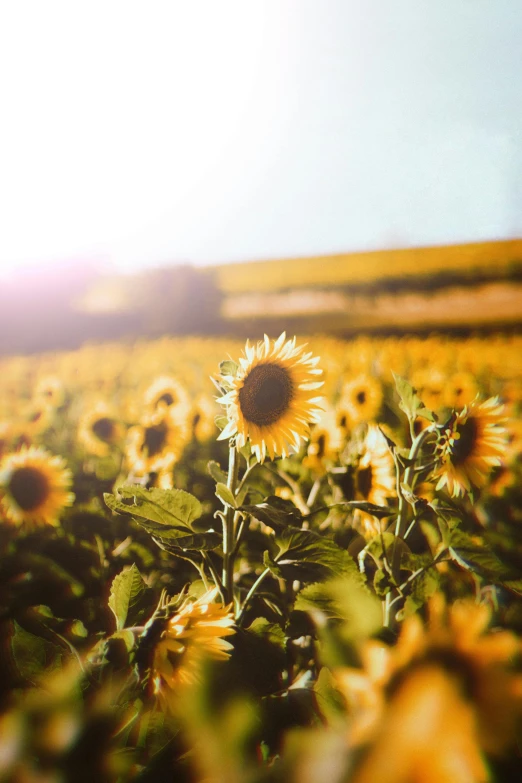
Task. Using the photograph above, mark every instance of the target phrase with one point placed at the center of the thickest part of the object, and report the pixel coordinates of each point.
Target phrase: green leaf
(475, 557)
(126, 589)
(225, 495)
(277, 513)
(172, 507)
(410, 402)
(32, 654)
(377, 511)
(228, 367)
(330, 702)
(346, 599)
(215, 471)
(202, 542)
(270, 631)
(423, 587)
(308, 556)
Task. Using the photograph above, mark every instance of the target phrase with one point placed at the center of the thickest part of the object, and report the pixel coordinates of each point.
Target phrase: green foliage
(126, 590)
(409, 400)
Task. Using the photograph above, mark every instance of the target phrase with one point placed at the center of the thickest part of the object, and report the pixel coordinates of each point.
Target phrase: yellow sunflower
(473, 443)
(154, 445)
(36, 420)
(460, 389)
(203, 416)
(50, 391)
(373, 479)
(361, 399)
(326, 441)
(99, 430)
(166, 391)
(438, 699)
(34, 487)
(271, 402)
(193, 635)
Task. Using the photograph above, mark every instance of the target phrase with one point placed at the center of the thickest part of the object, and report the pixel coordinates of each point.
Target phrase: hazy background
(140, 134)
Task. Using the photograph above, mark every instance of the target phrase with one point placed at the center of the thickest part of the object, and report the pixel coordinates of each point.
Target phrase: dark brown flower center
(465, 444)
(167, 398)
(364, 481)
(361, 397)
(154, 440)
(104, 429)
(266, 394)
(29, 488)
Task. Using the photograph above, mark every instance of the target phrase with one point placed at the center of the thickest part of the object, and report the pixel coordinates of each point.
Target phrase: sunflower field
(262, 563)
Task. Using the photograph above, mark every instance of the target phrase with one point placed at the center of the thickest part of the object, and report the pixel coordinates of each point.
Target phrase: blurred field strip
(483, 260)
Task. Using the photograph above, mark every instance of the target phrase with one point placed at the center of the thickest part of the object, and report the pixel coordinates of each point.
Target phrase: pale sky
(145, 133)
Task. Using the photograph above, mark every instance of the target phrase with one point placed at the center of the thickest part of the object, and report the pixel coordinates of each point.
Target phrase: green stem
(228, 527)
(251, 593)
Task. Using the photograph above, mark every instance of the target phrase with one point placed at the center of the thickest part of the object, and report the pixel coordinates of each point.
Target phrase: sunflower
(460, 389)
(445, 693)
(154, 445)
(326, 441)
(361, 399)
(271, 402)
(471, 445)
(193, 635)
(165, 392)
(50, 391)
(37, 419)
(99, 430)
(34, 486)
(203, 417)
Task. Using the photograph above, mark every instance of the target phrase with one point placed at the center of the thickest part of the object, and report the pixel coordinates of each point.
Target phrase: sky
(143, 134)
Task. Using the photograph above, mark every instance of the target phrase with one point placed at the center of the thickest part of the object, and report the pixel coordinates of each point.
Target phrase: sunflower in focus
(193, 635)
(436, 701)
(361, 399)
(34, 487)
(99, 430)
(471, 446)
(154, 445)
(271, 401)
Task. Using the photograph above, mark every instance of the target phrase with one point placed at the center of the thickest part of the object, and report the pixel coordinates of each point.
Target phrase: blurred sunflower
(433, 703)
(473, 443)
(203, 415)
(165, 392)
(50, 391)
(154, 445)
(326, 441)
(373, 478)
(193, 635)
(34, 487)
(35, 421)
(460, 389)
(99, 430)
(361, 399)
(271, 401)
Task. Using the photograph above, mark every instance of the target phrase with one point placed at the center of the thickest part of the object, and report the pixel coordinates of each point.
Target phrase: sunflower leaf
(308, 557)
(126, 589)
(409, 400)
(475, 557)
(171, 507)
(228, 367)
(225, 495)
(201, 542)
(215, 471)
(277, 513)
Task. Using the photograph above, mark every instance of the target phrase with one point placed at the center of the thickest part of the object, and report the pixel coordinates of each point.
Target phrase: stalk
(228, 527)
